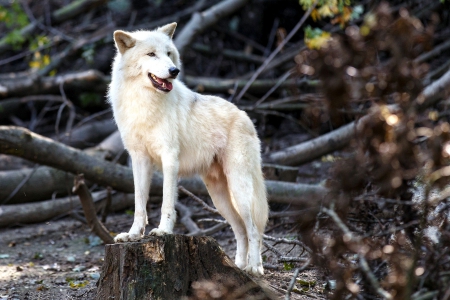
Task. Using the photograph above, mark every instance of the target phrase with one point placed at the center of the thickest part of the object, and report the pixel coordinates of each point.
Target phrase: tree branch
(23, 143)
(87, 203)
(203, 20)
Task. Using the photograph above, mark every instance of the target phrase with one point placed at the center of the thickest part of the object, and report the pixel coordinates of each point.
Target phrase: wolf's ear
(124, 41)
(168, 29)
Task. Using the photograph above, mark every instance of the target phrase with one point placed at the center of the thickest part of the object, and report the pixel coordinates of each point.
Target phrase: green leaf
(287, 266)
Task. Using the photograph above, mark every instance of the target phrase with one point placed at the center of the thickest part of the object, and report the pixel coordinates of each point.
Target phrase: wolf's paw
(127, 237)
(159, 232)
(256, 271)
(240, 264)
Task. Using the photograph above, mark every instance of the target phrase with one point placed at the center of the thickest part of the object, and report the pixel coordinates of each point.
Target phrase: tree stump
(166, 268)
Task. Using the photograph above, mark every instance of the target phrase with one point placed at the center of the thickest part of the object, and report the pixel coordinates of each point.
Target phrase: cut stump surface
(165, 268)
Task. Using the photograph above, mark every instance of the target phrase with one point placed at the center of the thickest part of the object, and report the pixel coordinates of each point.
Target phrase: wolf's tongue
(168, 85)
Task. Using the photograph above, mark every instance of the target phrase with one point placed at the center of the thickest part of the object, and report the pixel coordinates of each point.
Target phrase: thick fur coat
(165, 125)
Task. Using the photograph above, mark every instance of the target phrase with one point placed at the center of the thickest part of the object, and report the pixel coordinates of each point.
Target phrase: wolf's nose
(173, 71)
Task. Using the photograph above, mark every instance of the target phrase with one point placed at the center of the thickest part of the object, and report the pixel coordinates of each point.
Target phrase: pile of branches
(386, 231)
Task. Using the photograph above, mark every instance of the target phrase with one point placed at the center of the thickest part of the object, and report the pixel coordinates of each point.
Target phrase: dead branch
(364, 266)
(214, 85)
(87, 203)
(275, 52)
(434, 91)
(107, 208)
(42, 182)
(88, 134)
(23, 143)
(191, 226)
(205, 19)
(94, 81)
(45, 182)
(31, 83)
(315, 148)
(232, 54)
(202, 203)
(26, 213)
(294, 279)
(65, 13)
(339, 138)
(435, 52)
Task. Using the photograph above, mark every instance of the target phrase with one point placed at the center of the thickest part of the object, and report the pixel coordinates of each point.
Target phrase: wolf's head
(149, 56)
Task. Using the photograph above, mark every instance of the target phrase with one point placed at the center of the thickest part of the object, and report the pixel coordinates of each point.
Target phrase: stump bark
(166, 267)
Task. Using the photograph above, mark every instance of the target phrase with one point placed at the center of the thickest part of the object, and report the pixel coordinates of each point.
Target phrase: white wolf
(164, 124)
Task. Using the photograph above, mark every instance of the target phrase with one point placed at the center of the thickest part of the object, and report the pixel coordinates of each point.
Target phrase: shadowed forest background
(351, 101)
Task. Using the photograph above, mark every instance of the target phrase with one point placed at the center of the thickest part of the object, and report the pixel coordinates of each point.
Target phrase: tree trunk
(166, 267)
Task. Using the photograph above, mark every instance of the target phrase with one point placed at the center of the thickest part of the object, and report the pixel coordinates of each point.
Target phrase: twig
(288, 117)
(430, 54)
(232, 54)
(87, 203)
(20, 185)
(272, 35)
(280, 81)
(202, 203)
(350, 236)
(69, 104)
(275, 52)
(294, 278)
(292, 259)
(286, 241)
(107, 207)
(272, 248)
(212, 220)
(191, 226)
(186, 219)
(42, 26)
(201, 21)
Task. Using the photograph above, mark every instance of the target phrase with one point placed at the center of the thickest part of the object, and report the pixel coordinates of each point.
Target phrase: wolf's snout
(174, 72)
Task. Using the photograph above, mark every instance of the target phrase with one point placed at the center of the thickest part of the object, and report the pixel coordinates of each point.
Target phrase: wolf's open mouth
(159, 83)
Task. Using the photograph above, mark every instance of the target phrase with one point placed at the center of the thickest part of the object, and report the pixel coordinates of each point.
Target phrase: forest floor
(62, 259)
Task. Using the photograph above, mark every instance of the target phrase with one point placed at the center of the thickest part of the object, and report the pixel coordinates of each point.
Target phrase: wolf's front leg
(168, 215)
(142, 173)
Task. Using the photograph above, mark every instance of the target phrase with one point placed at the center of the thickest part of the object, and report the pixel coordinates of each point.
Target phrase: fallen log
(95, 81)
(341, 137)
(26, 213)
(170, 267)
(37, 184)
(23, 143)
(42, 183)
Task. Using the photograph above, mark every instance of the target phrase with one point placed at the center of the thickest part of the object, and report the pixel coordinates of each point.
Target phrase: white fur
(184, 133)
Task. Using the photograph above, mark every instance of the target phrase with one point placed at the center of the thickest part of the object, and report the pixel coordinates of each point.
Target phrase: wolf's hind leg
(217, 186)
(142, 173)
(242, 190)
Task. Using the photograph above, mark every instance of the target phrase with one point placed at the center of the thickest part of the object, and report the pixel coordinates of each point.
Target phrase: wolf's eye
(168, 53)
(151, 54)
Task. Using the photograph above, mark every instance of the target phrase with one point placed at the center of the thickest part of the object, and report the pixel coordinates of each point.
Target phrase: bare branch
(203, 20)
(275, 52)
(87, 203)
